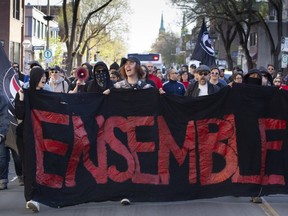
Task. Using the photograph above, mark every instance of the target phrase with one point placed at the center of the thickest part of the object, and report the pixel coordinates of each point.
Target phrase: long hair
(36, 74)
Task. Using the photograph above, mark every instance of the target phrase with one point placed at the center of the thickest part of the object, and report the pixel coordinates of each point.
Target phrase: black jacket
(194, 91)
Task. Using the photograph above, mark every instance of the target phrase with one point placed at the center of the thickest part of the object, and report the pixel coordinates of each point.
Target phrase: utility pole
(48, 18)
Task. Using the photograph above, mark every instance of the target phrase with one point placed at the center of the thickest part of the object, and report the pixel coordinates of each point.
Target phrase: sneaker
(20, 180)
(3, 186)
(256, 199)
(33, 205)
(125, 202)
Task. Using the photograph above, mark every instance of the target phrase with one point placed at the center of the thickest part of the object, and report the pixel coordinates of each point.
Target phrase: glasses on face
(54, 71)
(214, 73)
(203, 73)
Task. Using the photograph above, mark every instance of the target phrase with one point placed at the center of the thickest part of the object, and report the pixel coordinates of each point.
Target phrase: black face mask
(254, 81)
(101, 78)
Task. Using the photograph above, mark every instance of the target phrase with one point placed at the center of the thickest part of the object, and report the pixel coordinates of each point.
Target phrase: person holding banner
(36, 83)
(101, 82)
(132, 73)
(4, 152)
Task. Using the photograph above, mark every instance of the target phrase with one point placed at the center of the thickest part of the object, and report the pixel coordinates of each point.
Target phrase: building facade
(36, 32)
(12, 28)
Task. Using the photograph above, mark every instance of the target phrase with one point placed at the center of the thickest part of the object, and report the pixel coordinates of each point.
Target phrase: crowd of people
(189, 81)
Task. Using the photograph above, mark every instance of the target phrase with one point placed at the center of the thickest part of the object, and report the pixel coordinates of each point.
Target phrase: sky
(143, 20)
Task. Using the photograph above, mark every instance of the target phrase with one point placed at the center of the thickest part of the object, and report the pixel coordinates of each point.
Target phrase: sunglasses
(100, 71)
(203, 73)
(214, 73)
(54, 71)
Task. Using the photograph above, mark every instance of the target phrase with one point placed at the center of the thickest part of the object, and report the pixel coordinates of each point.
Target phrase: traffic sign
(26, 44)
(284, 60)
(38, 48)
(48, 56)
(284, 44)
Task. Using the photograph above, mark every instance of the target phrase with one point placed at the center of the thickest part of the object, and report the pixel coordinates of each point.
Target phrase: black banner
(149, 147)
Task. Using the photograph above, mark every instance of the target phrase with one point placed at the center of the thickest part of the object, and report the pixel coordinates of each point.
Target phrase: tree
(240, 14)
(70, 29)
(105, 27)
(166, 44)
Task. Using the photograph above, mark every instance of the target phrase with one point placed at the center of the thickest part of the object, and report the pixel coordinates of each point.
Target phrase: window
(34, 27)
(42, 31)
(14, 53)
(38, 29)
(16, 9)
(253, 39)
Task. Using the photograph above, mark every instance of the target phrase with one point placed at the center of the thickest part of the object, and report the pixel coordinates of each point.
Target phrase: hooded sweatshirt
(253, 81)
(101, 79)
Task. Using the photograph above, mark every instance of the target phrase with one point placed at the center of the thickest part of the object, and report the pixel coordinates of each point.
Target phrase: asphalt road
(12, 203)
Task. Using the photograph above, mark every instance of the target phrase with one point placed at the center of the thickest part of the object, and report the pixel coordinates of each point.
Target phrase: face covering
(254, 81)
(101, 78)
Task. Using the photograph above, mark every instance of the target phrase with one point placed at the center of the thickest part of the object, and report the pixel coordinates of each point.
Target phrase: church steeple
(162, 29)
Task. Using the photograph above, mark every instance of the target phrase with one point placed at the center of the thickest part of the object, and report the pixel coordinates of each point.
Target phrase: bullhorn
(81, 74)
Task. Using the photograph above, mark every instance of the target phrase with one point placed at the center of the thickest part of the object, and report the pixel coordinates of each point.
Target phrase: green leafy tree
(74, 31)
(105, 27)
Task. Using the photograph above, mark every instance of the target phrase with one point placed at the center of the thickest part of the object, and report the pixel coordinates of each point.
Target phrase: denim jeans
(4, 163)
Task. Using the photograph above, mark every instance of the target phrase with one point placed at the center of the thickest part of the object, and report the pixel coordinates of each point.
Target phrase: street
(13, 203)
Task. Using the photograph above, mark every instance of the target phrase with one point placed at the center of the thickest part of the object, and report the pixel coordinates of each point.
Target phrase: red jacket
(156, 80)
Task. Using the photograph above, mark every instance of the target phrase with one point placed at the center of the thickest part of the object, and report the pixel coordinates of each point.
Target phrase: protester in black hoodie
(36, 83)
(253, 77)
(101, 79)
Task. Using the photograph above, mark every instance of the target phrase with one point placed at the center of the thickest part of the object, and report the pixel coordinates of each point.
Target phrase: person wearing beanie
(202, 86)
(101, 79)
